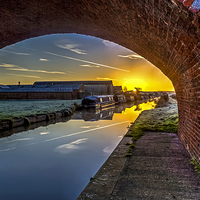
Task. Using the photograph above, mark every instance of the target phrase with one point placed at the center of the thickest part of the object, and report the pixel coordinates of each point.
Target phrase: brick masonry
(165, 32)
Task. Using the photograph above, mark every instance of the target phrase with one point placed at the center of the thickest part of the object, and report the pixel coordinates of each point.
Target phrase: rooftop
(71, 82)
(40, 88)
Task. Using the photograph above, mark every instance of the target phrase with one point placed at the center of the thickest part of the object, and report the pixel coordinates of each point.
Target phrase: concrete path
(103, 183)
(159, 169)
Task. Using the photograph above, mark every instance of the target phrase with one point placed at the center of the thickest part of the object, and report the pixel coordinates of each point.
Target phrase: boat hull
(130, 98)
(98, 102)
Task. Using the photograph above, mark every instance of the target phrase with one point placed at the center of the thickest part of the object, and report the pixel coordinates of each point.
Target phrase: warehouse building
(91, 87)
(56, 90)
(74, 91)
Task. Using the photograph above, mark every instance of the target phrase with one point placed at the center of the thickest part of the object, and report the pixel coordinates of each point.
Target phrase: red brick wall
(165, 32)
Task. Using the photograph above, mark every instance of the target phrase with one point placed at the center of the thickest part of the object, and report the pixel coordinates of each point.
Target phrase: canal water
(57, 161)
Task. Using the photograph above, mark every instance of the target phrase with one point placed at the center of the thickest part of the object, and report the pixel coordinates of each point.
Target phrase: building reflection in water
(107, 113)
(86, 115)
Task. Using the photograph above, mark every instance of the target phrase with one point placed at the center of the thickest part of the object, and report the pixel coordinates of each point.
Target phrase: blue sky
(65, 57)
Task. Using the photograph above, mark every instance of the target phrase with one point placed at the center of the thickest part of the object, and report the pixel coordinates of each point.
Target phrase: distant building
(4, 87)
(73, 91)
(91, 87)
(56, 90)
(117, 89)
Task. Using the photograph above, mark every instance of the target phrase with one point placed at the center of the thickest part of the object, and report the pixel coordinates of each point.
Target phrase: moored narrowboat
(129, 95)
(120, 98)
(130, 98)
(98, 101)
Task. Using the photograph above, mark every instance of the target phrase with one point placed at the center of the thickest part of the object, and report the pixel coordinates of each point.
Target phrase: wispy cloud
(7, 149)
(112, 44)
(23, 75)
(16, 140)
(43, 59)
(94, 66)
(108, 149)
(105, 78)
(37, 70)
(109, 44)
(8, 65)
(18, 68)
(85, 61)
(67, 148)
(44, 133)
(69, 45)
(87, 127)
(23, 54)
(132, 56)
(29, 49)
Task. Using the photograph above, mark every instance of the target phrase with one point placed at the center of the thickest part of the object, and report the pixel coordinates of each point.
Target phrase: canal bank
(47, 159)
(26, 113)
(159, 167)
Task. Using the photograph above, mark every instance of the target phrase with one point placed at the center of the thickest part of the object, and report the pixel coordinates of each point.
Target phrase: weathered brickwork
(165, 32)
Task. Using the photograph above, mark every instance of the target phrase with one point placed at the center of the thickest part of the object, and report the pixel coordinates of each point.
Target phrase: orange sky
(67, 57)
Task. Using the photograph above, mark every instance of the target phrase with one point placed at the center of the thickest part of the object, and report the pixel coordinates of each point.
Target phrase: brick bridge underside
(165, 32)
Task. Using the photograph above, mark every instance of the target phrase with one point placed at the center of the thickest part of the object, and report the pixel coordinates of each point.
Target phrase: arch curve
(165, 32)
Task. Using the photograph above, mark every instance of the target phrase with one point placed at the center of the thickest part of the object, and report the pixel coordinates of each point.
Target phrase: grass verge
(20, 109)
(196, 165)
(157, 120)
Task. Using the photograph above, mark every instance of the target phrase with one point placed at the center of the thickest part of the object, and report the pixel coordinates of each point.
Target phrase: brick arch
(165, 32)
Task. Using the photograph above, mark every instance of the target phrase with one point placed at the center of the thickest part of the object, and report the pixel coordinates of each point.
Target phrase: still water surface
(57, 161)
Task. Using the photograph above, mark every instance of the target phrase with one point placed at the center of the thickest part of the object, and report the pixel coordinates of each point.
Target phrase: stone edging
(102, 184)
(28, 120)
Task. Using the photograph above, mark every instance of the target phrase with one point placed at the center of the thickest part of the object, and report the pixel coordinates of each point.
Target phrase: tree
(137, 90)
(125, 89)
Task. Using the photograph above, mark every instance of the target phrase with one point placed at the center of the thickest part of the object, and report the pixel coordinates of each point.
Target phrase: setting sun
(72, 57)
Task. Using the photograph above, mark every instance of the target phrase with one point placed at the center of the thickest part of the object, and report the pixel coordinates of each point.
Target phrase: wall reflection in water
(20, 129)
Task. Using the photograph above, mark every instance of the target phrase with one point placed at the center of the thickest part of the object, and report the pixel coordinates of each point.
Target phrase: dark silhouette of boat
(130, 96)
(95, 115)
(98, 101)
(120, 98)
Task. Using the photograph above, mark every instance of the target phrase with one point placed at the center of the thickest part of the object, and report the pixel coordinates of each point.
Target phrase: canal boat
(120, 99)
(130, 96)
(95, 115)
(98, 101)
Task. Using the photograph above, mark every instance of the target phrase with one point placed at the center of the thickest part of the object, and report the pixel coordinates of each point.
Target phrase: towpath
(158, 169)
